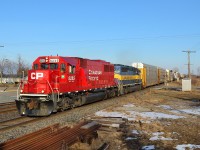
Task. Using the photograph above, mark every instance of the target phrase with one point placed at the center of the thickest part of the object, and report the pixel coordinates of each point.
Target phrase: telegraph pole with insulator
(188, 52)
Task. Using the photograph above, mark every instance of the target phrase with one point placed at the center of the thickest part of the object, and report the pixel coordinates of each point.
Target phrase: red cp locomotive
(58, 83)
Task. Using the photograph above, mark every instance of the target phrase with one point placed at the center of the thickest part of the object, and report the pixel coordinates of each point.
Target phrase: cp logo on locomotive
(36, 75)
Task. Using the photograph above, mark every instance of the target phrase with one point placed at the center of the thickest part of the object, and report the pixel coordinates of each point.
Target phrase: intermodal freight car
(58, 83)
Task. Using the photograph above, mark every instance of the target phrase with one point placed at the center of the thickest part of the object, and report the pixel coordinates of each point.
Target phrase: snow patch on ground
(135, 132)
(130, 138)
(184, 146)
(129, 105)
(149, 147)
(195, 111)
(167, 107)
(132, 115)
(157, 136)
(155, 115)
(103, 113)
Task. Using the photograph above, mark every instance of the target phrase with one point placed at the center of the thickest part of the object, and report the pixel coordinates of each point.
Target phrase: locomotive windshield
(51, 66)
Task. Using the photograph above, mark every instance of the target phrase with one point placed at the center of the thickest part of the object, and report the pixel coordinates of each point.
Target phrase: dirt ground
(162, 117)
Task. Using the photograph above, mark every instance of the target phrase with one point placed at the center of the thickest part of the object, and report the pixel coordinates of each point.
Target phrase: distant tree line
(10, 68)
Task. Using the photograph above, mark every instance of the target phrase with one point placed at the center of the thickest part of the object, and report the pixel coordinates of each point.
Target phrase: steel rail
(7, 104)
(52, 138)
(8, 110)
(24, 123)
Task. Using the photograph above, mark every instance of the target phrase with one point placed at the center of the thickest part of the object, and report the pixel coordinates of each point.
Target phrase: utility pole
(1, 72)
(189, 51)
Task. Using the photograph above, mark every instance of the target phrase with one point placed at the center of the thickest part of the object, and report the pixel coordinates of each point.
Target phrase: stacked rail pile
(111, 122)
(54, 137)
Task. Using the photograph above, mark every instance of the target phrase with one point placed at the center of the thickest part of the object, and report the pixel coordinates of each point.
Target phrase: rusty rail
(7, 107)
(7, 104)
(21, 121)
(54, 137)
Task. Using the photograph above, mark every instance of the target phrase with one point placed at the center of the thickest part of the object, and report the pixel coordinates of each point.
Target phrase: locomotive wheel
(125, 91)
(77, 101)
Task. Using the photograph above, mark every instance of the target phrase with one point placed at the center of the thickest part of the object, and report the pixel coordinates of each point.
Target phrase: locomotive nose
(30, 107)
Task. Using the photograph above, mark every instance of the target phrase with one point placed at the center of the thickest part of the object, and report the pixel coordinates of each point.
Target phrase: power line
(108, 39)
(188, 52)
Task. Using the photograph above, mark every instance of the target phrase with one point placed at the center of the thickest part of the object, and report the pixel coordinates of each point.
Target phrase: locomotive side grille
(111, 68)
(106, 68)
(83, 63)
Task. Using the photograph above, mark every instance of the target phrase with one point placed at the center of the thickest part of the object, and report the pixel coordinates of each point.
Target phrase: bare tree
(10, 68)
(22, 66)
(175, 69)
(3, 62)
(198, 71)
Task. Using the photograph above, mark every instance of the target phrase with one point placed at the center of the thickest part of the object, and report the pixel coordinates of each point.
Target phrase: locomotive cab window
(44, 66)
(117, 69)
(53, 66)
(124, 69)
(35, 66)
(71, 69)
(62, 68)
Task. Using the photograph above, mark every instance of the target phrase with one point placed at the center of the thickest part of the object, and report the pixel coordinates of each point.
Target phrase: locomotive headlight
(42, 91)
(21, 91)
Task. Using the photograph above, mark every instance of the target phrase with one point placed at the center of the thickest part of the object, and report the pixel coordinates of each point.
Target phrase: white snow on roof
(184, 146)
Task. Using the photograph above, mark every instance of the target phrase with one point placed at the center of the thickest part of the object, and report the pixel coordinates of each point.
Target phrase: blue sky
(120, 31)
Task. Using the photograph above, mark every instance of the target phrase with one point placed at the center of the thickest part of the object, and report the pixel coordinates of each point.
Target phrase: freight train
(58, 83)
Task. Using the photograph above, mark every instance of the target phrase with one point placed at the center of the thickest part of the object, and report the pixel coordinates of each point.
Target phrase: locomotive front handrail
(18, 91)
(57, 86)
(51, 89)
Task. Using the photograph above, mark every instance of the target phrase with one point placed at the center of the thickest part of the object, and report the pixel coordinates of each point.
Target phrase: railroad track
(66, 117)
(7, 107)
(6, 104)
(12, 123)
